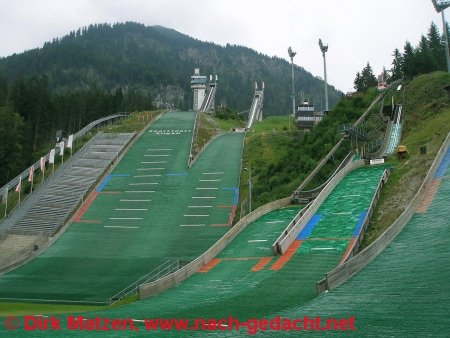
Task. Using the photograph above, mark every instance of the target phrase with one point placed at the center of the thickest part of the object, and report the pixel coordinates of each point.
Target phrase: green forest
(427, 57)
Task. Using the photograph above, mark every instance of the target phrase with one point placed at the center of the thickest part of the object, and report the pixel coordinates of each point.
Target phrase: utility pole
(324, 49)
(291, 55)
(249, 188)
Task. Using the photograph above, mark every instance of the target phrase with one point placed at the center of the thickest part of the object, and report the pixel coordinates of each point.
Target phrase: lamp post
(440, 6)
(291, 55)
(249, 169)
(324, 49)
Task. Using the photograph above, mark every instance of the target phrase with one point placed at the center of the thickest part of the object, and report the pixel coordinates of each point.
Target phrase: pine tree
(409, 68)
(436, 46)
(365, 79)
(396, 70)
(357, 83)
(423, 57)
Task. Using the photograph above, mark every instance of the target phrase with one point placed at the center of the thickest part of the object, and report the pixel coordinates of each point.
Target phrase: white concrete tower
(198, 85)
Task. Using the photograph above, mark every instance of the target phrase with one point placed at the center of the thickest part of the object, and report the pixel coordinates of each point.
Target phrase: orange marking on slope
(347, 252)
(232, 213)
(88, 221)
(428, 196)
(284, 258)
(261, 264)
(210, 265)
(85, 207)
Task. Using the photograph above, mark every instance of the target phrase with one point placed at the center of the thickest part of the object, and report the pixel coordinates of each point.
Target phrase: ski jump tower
(198, 85)
(204, 99)
(256, 110)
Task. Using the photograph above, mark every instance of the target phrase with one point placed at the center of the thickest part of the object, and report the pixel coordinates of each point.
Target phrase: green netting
(144, 214)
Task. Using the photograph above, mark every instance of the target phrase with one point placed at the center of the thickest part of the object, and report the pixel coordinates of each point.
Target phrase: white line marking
(203, 197)
(257, 240)
(150, 169)
(120, 226)
(342, 213)
(139, 191)
(206, 188)
(216, 173)
(135, 200)
(157, 155)
(210, 180)
(273, 222)
(157, 162)
(351, 196)
(196, 215)
(192, 225)
(147, 176)
(159, 149)
(322, 248)
(125, 218)
(200, 206)
(143, 183)
(122, 209)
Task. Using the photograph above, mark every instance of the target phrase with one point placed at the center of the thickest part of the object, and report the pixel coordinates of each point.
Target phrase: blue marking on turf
(361, 219)
(107, 179)
(177, 174)
(309, 227)
(235, 196)
(440, 172)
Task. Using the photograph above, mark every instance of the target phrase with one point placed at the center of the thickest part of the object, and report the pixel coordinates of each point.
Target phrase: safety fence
(194, 137)
(289, 238)
(159, 272)
(339, 275)
(276, 250)
(365, 223)
(149, 289)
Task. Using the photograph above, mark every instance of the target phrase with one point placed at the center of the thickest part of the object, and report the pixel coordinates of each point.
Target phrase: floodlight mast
(291, 55)
(440, 6)
(324, 49)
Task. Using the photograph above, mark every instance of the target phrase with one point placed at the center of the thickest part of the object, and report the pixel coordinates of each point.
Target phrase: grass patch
(427, 123)
(23, 309)
(265, 145)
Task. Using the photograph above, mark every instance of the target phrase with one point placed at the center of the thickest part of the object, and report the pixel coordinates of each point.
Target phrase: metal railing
(159, 272)
(24, 175)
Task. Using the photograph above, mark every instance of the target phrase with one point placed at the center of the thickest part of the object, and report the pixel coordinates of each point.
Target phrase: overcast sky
(357, 31)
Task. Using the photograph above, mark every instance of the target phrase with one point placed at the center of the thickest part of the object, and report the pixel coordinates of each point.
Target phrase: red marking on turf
(284, 258)
(428, 196)
(232, 213)
(85, 207)
(261, 264)
(88, 221)
(347, 252)
(210, 265)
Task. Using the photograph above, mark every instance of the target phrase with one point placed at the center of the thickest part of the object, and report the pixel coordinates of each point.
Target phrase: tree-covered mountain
(159, 61)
